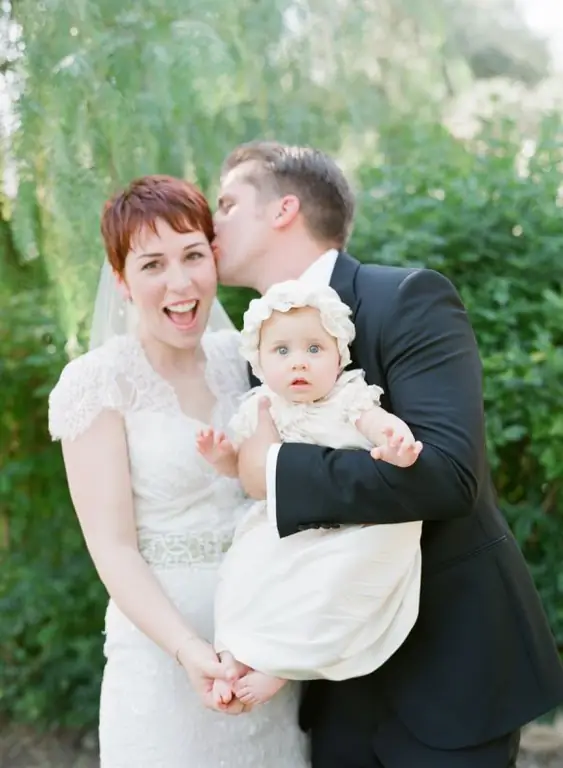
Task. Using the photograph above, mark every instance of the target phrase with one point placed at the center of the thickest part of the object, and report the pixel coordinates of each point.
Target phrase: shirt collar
(320, 271)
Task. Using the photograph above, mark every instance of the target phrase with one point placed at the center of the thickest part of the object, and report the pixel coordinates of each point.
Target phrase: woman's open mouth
(183, 314)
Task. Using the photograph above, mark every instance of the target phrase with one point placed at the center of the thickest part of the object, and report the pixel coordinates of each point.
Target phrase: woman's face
(171, 279)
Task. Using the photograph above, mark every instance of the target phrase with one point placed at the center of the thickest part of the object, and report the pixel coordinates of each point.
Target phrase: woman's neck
(170, 361)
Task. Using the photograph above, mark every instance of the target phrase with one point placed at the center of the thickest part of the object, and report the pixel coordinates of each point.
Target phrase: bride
(156, 518)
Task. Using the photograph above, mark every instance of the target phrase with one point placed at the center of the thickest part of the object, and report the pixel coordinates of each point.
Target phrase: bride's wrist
(184, 648)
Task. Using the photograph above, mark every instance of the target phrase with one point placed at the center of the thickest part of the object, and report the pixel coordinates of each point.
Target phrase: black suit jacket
(480, 661)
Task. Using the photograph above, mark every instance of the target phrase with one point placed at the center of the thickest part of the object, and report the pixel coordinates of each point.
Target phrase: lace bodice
(176, 493)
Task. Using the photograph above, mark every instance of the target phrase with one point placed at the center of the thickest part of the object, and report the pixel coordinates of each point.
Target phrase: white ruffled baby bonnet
(281, 297)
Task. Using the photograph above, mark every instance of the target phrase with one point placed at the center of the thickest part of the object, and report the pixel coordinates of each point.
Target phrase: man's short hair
(326, 199)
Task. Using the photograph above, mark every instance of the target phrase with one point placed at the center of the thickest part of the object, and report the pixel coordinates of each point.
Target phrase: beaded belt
(168, 550)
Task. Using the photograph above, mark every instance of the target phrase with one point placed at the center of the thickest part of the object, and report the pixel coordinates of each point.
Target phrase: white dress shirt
(319, 273)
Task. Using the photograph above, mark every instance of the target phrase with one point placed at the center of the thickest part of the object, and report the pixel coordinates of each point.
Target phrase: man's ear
(285, 211)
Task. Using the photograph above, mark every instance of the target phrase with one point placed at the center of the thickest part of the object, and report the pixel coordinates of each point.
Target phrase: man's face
(242, 226)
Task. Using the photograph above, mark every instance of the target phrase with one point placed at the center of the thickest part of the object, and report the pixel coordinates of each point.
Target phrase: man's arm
(431, 363)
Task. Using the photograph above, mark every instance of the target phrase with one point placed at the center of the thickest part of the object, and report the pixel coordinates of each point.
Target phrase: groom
(480, 661)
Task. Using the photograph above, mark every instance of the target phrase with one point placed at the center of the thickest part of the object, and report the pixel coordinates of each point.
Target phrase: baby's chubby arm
(393, 441)
(219, 451)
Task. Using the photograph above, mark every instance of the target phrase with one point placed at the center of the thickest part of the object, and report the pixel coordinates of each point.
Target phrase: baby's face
(299, 358)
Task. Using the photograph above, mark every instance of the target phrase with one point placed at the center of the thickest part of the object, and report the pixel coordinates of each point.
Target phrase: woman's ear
(122, 286)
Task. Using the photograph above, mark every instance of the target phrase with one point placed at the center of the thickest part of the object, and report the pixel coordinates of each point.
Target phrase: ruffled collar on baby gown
(313, 422)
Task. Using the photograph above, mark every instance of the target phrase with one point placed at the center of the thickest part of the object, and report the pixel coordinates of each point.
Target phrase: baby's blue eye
(283, 350)
(314, 348)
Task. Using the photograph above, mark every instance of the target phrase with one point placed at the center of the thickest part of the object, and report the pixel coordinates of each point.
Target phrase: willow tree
(108, 91)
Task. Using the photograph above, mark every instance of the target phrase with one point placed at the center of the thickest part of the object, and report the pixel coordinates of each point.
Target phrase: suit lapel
(343, 281)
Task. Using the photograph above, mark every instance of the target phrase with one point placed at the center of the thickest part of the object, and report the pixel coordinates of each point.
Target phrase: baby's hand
(400, 449)
(218, 450)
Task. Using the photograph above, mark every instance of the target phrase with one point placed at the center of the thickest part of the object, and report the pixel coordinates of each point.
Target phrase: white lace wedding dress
(186, 514)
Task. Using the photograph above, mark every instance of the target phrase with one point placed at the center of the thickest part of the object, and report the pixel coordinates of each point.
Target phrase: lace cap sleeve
(358, 396)
(87, 386)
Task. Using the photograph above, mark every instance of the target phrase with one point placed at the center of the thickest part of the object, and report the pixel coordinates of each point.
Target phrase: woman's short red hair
(145, 200)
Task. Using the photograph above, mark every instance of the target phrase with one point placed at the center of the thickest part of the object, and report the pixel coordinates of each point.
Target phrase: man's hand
(254, 450)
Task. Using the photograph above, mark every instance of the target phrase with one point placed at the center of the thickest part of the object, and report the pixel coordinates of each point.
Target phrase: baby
(330, 604)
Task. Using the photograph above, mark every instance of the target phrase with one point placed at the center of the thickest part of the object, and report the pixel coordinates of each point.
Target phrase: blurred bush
(482, 213)
(487, 214)
(51, 602)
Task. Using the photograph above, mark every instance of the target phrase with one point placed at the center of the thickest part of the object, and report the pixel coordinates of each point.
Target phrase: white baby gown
(331, 604)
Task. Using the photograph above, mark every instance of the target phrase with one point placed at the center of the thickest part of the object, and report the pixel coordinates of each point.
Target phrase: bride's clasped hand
(204, 669)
